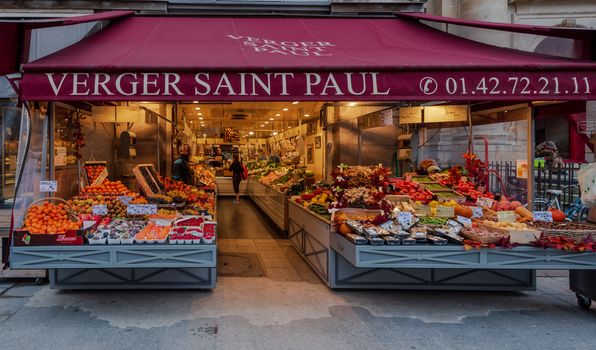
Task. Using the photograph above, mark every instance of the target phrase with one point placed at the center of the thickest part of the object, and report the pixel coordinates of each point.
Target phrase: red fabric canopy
(559, 32)
(168, 58)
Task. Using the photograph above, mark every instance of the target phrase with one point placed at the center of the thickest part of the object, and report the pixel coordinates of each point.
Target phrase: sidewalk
(269, 313)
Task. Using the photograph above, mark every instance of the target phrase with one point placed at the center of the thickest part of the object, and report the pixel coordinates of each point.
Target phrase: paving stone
(234, 345)
(23, 290)
(9, 306)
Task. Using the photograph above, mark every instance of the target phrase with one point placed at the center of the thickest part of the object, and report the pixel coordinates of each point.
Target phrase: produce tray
(147, 178)
(439, 188)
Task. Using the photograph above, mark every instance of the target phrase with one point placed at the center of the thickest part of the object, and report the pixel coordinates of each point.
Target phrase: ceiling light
(266, 122)
(285, 109)
(201, 118)
(195, 101)
(352, 104)
(277, 115)
(191, 121)
(271, 119)
(198, 108)
(307, 115)
(295, 102)
(289, 127)
(204, 135)
(251, 132)
(262, 125)
(275, 133)
(199, 113)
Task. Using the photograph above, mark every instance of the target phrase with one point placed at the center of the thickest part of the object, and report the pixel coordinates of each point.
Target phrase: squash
(524, 213)
(558, 216)
(463, 211)
(345, 229)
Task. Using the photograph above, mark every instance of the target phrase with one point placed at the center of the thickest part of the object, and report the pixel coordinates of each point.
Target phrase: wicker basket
(481, 239)
(67, 206)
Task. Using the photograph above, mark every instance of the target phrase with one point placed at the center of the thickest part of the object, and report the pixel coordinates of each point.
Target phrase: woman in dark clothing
(181, 171)
(237, 170)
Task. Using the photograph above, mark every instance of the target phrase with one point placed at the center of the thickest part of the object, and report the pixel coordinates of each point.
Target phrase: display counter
(272, 202)
(226, 188)
(341, 264)
(151, 266)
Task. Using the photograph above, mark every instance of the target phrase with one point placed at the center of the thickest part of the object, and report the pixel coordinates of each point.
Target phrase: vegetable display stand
(225, 187)
(342, 264)
(583, 283)
(134, 266)
(273, 203)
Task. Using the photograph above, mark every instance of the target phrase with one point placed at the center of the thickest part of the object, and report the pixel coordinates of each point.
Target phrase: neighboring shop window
(10, 116)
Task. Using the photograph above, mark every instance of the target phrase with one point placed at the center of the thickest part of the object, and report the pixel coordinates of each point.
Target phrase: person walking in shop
(237, 170)
(181, 168)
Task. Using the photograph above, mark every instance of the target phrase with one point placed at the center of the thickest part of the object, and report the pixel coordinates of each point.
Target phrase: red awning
(168, 58)
(559, 32)
(67, 21)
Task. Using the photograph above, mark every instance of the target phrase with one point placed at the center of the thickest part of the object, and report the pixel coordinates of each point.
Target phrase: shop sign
(313, 86)
(60, 156)
(410, 115)
(443, 114)
(48, 186)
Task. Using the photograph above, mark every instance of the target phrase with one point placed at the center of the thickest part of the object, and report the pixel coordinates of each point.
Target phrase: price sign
(445, 212)
(48, 186)
(141, 209)
(100, 209)
(125, 199)
(505, 216)
(467, 222)
(477, 212)
(405, 219)
(484, 202)
(456, 225)
(422, 210)
(87, 224)
(545, 216)
(161, 222)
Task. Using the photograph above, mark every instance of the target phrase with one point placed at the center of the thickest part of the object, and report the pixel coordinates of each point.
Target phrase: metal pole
(530, 184)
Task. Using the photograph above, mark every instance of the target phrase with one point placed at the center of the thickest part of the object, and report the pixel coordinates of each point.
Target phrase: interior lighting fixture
(262, 125)
(285, 109)
(266, 122)
(274, 133)
(307, 115)
(199, 113)
(195, 101)
(295, 102)
(198, 108)
(251, 132)
(201, 118)
(271, 119)
(352, 104)
(277, 115)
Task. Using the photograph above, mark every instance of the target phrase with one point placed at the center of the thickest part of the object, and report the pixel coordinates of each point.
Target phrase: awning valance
(169, 58)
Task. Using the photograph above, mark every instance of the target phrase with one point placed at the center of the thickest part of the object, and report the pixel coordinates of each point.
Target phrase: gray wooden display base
(164, 278)
(273, 203)
(341, 264)
(132, 266)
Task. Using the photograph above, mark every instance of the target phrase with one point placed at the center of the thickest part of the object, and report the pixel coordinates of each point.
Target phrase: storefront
(390, 74)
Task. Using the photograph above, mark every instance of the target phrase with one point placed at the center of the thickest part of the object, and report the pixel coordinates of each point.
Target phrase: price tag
(445, 212)
(505, 216)
(484, 202)
(161, 222)
(477, 212)
(405, 219)
(467, 222)
(100, 209)
(125, 199)
(141, 209)
(422, 210)
(88, 223)
(545, 216)
(48, 186)
(456, 225)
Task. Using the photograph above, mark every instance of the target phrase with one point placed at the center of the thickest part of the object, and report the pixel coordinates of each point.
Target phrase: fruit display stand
(225, 186)
(342, 264)
(146, 263)
(272, 202)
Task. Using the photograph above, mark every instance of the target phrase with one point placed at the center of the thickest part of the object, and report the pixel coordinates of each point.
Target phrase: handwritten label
(422, 210)
(545, 216)
(48, 186)
(141, 209)
(162, 222)
(467, 222)
(484, 202)
(505, 216)
(452, 223)
(125, 199)
(445, 212)
(88, 223)
(405, 219)
(477, 212)
(100, 209)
